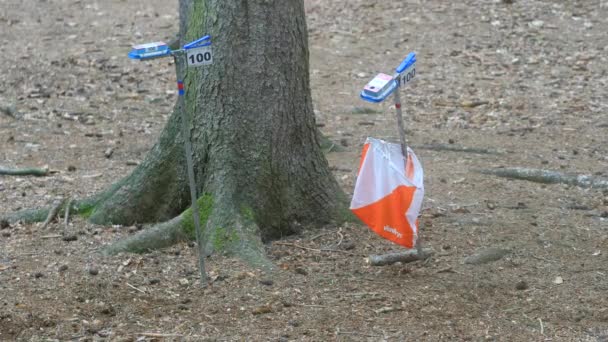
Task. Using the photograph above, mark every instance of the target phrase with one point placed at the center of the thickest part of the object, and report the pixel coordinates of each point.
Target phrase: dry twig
(135, 288)
(315, 249)
(148, 334)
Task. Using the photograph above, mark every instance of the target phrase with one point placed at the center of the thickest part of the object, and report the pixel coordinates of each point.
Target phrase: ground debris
(456, 148)
(264, 309)
(10, 110)
(486, 255)
(548, 177)
(391, 258)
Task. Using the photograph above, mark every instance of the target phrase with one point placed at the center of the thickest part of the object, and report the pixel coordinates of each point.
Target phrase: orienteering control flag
(389, 191)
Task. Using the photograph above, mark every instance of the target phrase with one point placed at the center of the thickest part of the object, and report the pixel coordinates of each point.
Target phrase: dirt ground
(538, 68)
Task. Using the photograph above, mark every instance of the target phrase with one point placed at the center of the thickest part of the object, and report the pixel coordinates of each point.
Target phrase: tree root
(82, 207)
(453, 148)
(548, 177)
(53, 212)
(225, 231)
(25, 172)
(405, 257)
(156, 237)
(66, 217)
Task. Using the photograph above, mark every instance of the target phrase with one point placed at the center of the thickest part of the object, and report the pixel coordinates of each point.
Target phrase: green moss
(223, 237)
(247, 213)
(205, 206)
(346, 215)
(85, 210)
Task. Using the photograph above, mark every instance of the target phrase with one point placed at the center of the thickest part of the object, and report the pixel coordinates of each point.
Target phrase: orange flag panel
(387, 217)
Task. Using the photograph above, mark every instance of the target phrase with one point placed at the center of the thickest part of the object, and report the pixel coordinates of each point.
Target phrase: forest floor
(537, 70)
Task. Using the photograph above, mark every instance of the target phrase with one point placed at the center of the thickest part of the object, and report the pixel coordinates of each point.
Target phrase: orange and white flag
(389, 192)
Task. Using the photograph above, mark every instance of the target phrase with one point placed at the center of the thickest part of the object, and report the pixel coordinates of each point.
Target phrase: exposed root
(53, 212)
(454, 148)
(548, 177)
(159, 236)
(27, 216)
(82, 207)
(225, 231)
(405, 257)
(38, 172)
(66, 218)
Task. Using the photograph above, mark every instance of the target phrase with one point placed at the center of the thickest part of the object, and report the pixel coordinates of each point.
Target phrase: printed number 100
(408, 76)
(200, 57)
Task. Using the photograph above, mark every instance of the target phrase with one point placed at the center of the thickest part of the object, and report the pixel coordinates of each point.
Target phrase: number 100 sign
(407, 75)
(199, 56)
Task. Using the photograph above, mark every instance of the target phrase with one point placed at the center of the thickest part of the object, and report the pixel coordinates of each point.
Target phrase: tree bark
(258, 163)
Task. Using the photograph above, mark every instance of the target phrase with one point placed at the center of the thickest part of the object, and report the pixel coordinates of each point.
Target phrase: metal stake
(179, 57)
(403, 144)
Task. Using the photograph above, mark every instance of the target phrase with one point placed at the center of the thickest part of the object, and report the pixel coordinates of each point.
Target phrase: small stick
(314, 249)
(313, 305)
(319, 235)
(67, 214)
(354, 333)
(25, 172)
(50, 236)
(341, 237)
(146, 334)
(135, 288)
(53, 213)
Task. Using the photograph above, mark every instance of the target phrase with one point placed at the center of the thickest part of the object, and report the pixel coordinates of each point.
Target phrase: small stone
(485, 256)
(108, 153)
(108, 310)
(264, 309)
(347, 245)
(93, 327)
(184, 282)
(536, 23)
(521, 285)
(266, 282)
(558, 280)
(93, 271)
(68, 238)
(63, 268)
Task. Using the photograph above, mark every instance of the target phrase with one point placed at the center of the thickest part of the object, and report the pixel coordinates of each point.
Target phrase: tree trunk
(258, 164)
